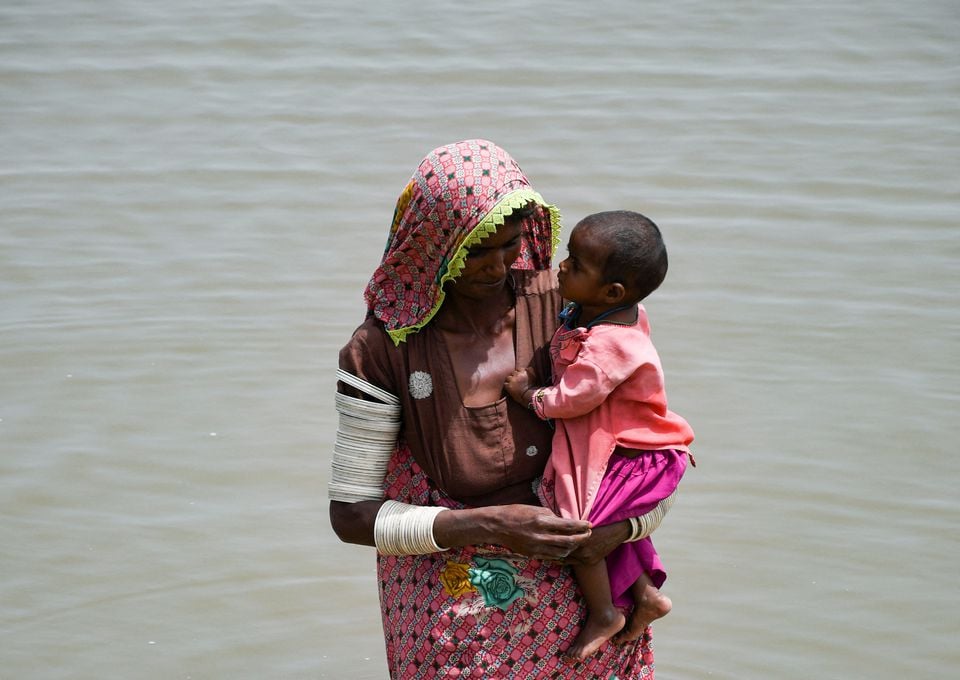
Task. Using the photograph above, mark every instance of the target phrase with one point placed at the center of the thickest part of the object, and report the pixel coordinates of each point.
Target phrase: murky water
(193, 196)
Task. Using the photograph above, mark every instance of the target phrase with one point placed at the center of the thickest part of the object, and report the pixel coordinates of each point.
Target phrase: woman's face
(488, 263)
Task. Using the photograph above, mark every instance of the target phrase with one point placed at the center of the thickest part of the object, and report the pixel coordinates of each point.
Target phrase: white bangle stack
(366, 437)
(641, 527)
(402, 529)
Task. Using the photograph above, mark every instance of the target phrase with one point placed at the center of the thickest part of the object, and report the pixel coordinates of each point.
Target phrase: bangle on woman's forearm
(402, 529)
(366, 437)
(643, 526)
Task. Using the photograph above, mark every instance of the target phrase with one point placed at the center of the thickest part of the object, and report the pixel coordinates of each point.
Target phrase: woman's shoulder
(370, 354)
(371, 331)
(368, 340)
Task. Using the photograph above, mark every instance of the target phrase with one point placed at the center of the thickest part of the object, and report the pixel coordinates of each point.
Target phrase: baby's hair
(637, 255)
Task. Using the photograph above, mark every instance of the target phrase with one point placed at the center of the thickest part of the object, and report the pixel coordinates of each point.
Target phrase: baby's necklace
(571, 315)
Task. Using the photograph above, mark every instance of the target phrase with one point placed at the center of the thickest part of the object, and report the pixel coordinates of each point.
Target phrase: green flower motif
(496, 581)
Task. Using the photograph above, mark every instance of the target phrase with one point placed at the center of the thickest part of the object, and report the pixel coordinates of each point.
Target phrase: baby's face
(581, 273)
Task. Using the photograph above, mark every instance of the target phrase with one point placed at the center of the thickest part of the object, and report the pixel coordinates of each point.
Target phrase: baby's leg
(603, 619)
(649, 604)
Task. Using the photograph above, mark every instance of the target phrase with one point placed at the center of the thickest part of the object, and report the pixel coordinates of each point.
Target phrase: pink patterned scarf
(458, 196)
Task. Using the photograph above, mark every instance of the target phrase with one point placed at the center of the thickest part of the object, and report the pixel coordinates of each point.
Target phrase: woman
(470, 568)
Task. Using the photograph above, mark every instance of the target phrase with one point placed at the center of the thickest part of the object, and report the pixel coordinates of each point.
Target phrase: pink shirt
(608, 391)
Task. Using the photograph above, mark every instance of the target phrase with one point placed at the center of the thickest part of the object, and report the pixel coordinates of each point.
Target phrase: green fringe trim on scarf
(488, 225)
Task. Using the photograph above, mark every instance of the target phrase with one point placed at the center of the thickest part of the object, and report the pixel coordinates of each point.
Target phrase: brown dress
(477, 455)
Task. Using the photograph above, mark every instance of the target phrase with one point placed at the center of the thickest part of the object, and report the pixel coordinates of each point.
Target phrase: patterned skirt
(482, 612)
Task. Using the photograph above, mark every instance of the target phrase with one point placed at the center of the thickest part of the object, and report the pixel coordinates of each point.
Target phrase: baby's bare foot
(599, 628)
(650, 605)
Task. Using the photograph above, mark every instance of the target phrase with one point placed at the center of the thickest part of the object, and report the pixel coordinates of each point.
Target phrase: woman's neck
(478, 335)
(482, 318)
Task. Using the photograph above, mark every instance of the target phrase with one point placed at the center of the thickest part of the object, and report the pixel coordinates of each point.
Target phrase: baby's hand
(516, 384)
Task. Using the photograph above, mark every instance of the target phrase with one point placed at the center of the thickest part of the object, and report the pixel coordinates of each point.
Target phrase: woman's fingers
(536, 531)
(560, 525)
(561, 546)
(561, 536)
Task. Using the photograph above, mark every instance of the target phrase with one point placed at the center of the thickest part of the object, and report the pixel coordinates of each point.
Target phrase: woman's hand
(524, 529)
(537, 532)
(602, 541)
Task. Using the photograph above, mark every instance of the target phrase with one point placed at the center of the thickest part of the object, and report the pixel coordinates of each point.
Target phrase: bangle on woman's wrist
(402, 529)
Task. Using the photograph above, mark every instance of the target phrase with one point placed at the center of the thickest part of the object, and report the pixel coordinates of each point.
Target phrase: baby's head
(625, 248)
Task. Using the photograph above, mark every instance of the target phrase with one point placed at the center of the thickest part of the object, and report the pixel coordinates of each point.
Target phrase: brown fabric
(477, 455)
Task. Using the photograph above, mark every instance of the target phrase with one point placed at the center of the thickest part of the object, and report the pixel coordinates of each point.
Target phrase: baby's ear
(615, 292)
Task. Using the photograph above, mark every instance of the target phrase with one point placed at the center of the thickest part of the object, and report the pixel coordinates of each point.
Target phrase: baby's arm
(580, 392)
(582, 388)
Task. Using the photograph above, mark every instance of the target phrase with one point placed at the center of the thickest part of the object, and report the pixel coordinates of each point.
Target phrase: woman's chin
(481, 291)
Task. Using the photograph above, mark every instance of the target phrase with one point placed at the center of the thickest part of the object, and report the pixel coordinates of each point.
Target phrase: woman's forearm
(353, 522)
(525, 529)
(470, 526)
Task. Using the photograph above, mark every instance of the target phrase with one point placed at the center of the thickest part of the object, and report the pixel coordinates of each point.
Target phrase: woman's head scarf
(458, 196)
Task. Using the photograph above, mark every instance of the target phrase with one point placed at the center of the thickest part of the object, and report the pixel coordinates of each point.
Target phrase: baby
(617, 451)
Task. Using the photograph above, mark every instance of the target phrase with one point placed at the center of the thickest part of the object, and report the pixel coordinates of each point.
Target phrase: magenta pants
(632, 487)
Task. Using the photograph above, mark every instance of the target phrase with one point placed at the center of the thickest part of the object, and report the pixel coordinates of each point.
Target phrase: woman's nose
(500, 260)
(497, 262)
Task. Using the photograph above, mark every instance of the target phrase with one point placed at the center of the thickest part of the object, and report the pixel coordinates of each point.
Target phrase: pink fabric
(632, 487)
(608, 391)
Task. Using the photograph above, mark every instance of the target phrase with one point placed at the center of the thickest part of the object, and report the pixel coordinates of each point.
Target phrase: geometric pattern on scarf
(460, 194)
